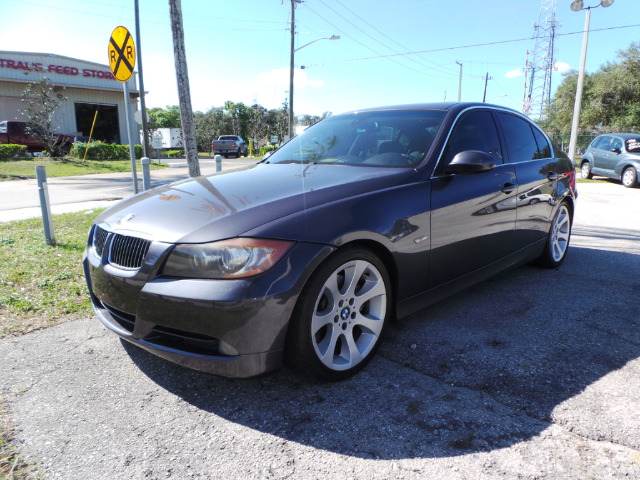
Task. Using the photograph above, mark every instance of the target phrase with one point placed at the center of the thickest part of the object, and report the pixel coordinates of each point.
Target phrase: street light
(291, 66)
(291, 70)
(576, 6)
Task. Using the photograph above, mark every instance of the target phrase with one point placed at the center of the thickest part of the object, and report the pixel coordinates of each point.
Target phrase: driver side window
(617, 144)
(475, 130)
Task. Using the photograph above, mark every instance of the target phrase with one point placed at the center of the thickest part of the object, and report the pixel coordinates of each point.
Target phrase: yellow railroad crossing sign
(122, 54)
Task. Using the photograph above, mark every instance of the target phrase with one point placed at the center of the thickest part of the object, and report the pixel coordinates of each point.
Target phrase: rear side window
(519, 138)
(475, 130)
(3, 127)
(544, 149)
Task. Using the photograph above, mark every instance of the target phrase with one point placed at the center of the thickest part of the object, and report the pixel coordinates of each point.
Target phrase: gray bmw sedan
(305, 257)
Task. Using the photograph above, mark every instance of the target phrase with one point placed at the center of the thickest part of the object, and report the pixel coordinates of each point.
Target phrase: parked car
(615, 155)
(307, 256)
(12, 131)
(230, 145)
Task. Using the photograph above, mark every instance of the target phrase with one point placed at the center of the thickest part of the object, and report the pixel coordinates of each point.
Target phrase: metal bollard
(146, 175)
(43, 191)
(218, 159)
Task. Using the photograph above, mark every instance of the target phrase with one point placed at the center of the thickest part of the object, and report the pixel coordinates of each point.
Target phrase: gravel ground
(532, 374)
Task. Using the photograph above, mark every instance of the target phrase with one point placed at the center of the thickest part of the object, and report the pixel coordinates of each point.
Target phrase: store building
(89, 88)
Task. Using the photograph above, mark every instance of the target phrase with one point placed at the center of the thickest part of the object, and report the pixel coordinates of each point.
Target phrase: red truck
(12, 131)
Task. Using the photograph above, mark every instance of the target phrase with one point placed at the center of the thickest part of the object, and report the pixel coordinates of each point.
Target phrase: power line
(382, 34)
(368, 47)
(475, 45)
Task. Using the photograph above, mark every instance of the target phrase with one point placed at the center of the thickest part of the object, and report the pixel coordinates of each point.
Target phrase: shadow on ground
(479, 371)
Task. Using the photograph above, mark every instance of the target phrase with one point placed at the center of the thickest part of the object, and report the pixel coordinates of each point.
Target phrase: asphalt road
(532, 374)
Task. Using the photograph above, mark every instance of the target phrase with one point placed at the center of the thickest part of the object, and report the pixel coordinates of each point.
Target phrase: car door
(473, 215)
(610, 157)
(600, 150)
(537, 173)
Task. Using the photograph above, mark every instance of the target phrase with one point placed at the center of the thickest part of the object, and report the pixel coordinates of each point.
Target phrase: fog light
(227, 349)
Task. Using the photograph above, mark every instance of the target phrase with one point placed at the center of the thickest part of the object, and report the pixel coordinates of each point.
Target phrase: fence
(562, 141)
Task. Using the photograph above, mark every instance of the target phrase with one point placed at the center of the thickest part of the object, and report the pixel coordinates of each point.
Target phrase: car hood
(227, 204)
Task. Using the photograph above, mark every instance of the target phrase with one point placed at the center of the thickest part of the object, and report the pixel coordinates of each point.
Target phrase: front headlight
(235, 258)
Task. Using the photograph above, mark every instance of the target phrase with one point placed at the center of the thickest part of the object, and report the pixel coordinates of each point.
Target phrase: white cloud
(562, 67)
(513, 73)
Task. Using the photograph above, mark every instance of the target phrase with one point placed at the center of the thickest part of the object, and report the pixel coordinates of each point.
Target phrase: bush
(12, 150)
(104, 151)
(174, 153)
(267, 148)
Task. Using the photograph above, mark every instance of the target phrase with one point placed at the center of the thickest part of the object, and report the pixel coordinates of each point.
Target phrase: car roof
(625, 136)
(444, 106)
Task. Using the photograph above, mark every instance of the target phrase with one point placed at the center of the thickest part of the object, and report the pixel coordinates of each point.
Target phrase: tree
(40, 101)
(611, 98)
(254, 123)
(164, 118)
(615, 92)
(278, 122)
(257, 125)
(209, 125)
(238, 117)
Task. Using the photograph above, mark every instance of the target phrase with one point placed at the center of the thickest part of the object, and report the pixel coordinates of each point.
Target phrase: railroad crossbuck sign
(122, 54)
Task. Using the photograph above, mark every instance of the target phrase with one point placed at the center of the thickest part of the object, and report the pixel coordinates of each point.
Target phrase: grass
(42, 285)
(26, 168)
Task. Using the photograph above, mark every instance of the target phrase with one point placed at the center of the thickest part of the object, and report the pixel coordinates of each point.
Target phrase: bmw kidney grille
(122, 251)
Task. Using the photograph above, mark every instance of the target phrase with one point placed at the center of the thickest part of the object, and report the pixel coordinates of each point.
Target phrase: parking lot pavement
(532, 374)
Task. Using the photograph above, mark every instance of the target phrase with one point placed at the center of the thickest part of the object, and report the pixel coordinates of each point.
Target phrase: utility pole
(184, 93)
(143, 106)
(291, 65)
(459, 81)
(486, 80)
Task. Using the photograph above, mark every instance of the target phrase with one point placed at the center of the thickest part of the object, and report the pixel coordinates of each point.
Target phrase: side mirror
(471, 161)
(616, 150)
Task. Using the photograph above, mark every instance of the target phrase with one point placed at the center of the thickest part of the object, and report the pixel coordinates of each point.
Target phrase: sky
(389, 53)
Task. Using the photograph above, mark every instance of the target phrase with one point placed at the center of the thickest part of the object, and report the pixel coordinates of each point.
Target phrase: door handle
(508, 187)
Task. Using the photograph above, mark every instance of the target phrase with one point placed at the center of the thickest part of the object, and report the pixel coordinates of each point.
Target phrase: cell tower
(540, 64)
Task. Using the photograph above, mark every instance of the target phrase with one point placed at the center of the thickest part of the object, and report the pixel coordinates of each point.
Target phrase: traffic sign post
(156, 142)
(122, 60)
(122, 54)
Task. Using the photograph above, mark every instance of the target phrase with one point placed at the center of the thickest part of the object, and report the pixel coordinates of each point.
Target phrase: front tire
(340, 317)
(557, 244)
(629, 177)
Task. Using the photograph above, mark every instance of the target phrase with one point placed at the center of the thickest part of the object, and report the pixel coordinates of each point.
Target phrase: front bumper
(233, 328)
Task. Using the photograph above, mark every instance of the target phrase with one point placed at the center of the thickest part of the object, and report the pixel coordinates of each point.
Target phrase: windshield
(380, 138)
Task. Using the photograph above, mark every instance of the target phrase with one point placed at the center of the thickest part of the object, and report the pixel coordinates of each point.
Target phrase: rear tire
(340, 317)
(629, 177)
(557, 244)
